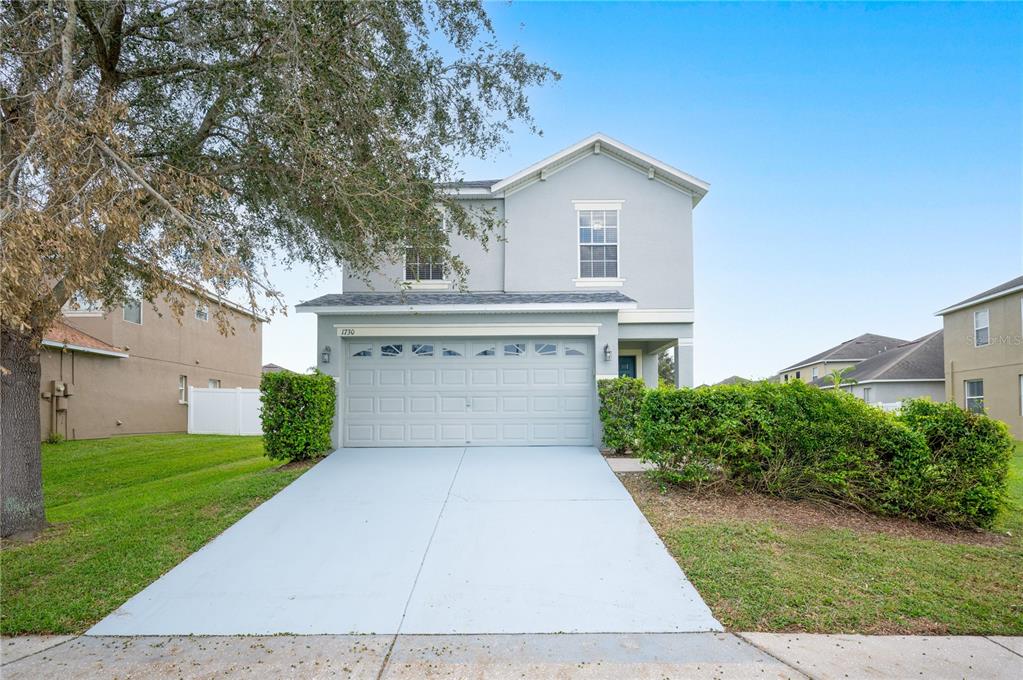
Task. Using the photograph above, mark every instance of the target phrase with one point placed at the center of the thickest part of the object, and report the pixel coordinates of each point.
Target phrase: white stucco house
(592, 277)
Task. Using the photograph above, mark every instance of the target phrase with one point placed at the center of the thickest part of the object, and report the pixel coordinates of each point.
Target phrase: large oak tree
(150, 146)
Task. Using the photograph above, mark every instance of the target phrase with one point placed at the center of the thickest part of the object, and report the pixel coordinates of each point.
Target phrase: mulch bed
(676, 504)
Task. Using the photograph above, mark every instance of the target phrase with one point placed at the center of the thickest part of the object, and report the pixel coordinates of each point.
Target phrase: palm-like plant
(841, 376)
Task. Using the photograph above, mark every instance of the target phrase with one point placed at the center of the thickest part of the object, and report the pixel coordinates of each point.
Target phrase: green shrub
(298, 413)
(965, 476)
(620, 400)
(797, 441)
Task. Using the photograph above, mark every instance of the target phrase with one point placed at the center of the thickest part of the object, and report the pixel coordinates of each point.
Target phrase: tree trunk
(21, 462)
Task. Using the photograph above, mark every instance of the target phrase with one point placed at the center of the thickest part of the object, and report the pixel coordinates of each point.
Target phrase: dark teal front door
(627, 367)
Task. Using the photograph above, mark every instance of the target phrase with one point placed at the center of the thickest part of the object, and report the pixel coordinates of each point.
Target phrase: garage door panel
(514, 376)
(453, 392)
(391, 376)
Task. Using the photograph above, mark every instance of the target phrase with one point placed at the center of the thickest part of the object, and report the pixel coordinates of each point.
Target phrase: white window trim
(431, 284)
(966, 393)
(182, 389)
(141, 317)
(210, 385)
(601, 282)
(977, 328)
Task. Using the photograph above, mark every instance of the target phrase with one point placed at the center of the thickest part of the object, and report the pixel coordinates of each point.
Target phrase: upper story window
(422, 267)
(981, 328)
(815, 373)
(202, 312)
(598, 243)
(131, 311)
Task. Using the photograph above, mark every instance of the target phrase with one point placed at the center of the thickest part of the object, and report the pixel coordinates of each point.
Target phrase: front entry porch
(638, 358)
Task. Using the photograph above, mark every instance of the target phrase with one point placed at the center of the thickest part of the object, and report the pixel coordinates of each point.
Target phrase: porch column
(649, 371)
(684, 363)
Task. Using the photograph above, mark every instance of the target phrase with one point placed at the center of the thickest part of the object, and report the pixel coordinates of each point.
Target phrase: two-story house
(592, 277)
(126, 370)
(984, 353)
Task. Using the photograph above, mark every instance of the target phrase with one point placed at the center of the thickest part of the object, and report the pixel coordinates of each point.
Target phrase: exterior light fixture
(607, 352)
(325, 354)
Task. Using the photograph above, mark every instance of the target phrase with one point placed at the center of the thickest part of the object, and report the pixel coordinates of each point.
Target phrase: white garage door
(467, 391)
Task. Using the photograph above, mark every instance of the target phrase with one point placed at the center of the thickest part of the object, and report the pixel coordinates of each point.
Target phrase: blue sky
(865, 161)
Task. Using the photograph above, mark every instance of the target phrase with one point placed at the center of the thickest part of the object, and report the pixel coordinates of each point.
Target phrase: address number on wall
(346, 331)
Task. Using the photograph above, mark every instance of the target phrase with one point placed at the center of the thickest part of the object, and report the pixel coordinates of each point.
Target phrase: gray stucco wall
(486, 266)
(656, 232)
(326, 336)
(887, 392)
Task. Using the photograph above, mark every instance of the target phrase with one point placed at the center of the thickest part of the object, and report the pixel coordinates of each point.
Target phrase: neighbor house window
(797, 375)
(79, 305)
(814, 373)
(213, 384)
(202, 312)
(132, 311)
(974, 390)
(598, 244)
(981, 330)
(183, 389)
(866, 395)
(1021, 395)
(422, 267)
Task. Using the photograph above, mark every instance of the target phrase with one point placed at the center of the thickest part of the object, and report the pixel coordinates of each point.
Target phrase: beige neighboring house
(842, 355)
(127, 370)
(984, 353)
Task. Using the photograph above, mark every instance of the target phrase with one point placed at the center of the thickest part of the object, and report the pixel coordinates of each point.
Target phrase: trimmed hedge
(619, 408)
(298, 414)
(969, 463)
(934, 462)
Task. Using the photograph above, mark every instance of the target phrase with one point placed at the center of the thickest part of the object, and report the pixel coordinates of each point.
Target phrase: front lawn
(123, 511)
(764, 564)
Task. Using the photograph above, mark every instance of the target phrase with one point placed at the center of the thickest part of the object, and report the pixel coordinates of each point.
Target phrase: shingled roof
(63, 336)
(858, 349)
(420, 299)
(998, 291)
(921, 359)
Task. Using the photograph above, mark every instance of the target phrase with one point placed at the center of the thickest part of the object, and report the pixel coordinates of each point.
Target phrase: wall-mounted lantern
(607, 353)
(325, 355)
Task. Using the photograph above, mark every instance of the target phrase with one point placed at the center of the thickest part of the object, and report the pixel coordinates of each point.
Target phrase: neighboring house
(126, 370)
(984, 353)
(273, 368)
(590, 277)
(843, 355)
(910, 370)
(735, 380)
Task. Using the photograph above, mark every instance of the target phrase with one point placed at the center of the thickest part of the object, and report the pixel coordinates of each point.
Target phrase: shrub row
(933, 462)
(298, 414)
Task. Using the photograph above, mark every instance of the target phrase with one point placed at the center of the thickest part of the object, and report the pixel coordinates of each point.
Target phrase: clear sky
(865, 161)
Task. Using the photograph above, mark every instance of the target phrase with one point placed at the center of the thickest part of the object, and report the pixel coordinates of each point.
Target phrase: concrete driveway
(430, 541)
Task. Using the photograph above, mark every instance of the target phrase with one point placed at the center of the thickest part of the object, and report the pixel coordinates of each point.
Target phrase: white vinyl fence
(224, 411)
(891, 406)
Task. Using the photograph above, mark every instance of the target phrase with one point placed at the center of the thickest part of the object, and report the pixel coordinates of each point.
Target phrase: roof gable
(859, 348)
(921, 359)
(600, 143)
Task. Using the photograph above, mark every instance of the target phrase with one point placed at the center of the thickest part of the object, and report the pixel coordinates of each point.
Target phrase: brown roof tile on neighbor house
(273, 368)
(63, 335)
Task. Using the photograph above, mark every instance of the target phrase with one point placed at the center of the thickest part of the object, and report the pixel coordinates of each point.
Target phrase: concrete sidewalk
(573, 656)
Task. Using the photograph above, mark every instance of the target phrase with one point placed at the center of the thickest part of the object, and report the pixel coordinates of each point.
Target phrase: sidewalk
(591, 656)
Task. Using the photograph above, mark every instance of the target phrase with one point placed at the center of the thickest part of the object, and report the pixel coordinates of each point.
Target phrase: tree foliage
(152, 143)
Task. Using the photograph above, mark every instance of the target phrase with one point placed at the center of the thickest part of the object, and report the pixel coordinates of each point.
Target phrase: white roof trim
(468, 309)
(474, 330)
(986, 298)
(883, 380)
(697, 186)
(82, 348)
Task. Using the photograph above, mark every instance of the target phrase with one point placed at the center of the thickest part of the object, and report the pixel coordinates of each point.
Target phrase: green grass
(122, 512)
(775, 576)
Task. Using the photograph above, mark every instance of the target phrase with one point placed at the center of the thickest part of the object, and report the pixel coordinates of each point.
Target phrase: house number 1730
(347, 331)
